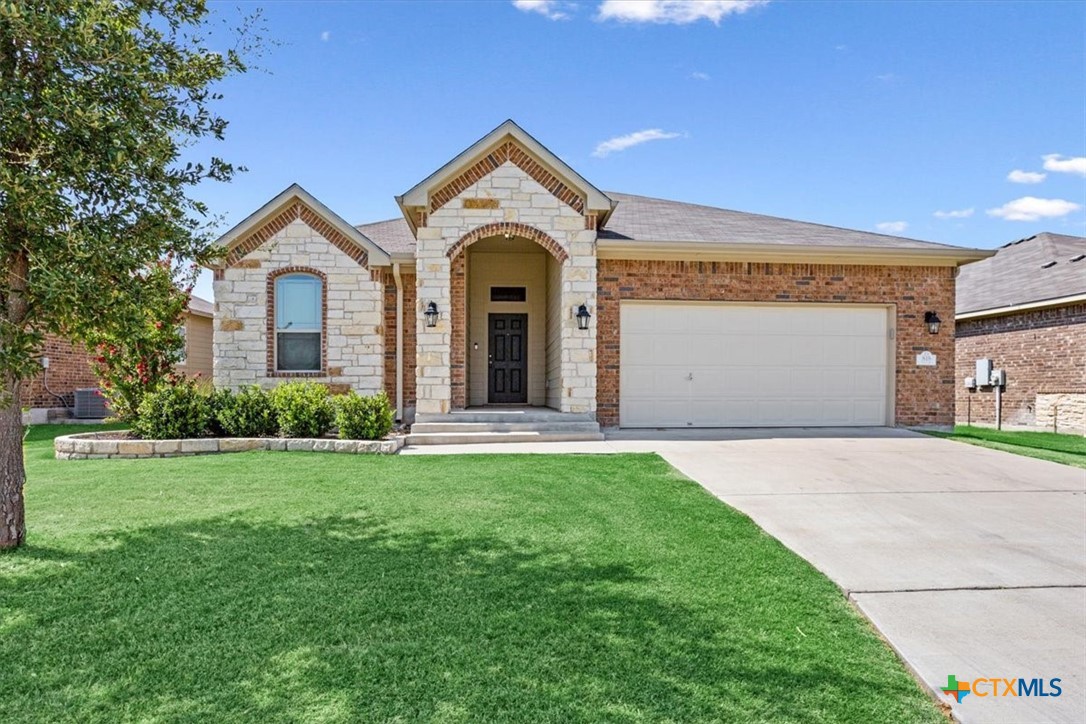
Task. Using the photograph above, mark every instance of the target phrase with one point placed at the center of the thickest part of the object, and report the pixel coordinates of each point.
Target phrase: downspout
(399, 340)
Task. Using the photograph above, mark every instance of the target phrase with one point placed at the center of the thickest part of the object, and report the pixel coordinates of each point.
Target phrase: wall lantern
(582, 317)
(431, 314)
(932, 320)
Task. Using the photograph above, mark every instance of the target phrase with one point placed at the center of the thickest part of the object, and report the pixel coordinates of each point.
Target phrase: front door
(508, 376)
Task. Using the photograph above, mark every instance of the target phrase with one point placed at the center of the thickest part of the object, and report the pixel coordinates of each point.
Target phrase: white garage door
(773, 365)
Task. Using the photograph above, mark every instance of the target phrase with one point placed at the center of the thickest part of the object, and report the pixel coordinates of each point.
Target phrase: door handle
(689, 376)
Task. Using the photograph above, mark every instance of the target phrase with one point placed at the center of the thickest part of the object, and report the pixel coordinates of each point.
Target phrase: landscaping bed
(121, 444)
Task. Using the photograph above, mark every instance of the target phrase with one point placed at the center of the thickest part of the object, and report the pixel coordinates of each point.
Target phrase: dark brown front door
(508, 359)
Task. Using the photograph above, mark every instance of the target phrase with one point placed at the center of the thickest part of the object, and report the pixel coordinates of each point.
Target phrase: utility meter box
(971, 383)
(999, 378)
(984, 371)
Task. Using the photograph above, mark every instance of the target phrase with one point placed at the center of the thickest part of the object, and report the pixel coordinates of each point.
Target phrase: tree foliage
(132, 363)
(101, 103)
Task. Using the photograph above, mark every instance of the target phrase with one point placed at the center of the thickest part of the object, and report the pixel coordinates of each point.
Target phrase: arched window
(298, 323)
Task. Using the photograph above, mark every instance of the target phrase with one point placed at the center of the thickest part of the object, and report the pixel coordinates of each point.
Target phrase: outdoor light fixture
(431, 314)
(582, 317)
(932, 320)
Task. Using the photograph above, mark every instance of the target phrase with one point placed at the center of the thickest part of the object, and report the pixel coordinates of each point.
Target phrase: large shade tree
(101, 103)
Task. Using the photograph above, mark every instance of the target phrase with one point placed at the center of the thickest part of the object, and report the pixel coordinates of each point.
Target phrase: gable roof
(295, 194)
(666, 227)
(1040, 268)
(419, 195)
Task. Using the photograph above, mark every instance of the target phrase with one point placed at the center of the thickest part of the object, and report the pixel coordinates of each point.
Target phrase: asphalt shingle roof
(1045, 266)
(641, 218)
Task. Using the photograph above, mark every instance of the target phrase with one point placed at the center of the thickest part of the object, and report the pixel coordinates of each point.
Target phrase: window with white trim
(298, 323)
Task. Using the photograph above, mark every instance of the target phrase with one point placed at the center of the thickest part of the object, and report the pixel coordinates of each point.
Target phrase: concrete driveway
(971, 562)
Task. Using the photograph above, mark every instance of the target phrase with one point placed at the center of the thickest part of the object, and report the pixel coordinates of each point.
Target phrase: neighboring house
(544, 291)
(199, 330)
(71, 366)
(1025, 310)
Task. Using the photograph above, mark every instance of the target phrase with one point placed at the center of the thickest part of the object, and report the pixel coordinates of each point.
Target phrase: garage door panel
(729, 365)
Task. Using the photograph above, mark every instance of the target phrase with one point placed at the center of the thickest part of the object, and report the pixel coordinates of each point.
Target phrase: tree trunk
(12, 472)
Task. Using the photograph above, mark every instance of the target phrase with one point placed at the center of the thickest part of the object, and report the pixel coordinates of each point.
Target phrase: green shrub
(363, 418)
(173, 410)
(247, 413)
(219, 400)
(303, 409)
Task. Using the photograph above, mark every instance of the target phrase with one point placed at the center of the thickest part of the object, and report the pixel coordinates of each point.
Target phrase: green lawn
(1066, 449)
(301, 587)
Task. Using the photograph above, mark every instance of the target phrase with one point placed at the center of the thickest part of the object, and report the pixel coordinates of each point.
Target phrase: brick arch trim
(270, 320)
(501, 228)
(297, 210)
(509, 151)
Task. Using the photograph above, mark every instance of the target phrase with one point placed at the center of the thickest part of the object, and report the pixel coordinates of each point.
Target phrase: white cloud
(955, 214)
(892, 227)
(1026, 177)
(886, 77)
(621, 143)
(1031, 208)
(547, 8)
(1072, 164)
(676, 12)
(699, 75)
(326, 35)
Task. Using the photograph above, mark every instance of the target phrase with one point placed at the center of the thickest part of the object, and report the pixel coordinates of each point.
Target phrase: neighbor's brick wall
(354, 314)
(924, 395)
(71, 367)
(1043, 352)
(410, 319)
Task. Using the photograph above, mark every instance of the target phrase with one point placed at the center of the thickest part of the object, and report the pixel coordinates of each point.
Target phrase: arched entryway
(505, 304)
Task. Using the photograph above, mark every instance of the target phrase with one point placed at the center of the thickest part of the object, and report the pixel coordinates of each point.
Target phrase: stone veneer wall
(354, 313)
(924, 395)
(511, 197)
(1044, 354)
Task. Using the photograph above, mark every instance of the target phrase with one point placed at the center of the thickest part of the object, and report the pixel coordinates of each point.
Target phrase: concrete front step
(497, 414)
(420, 428)
(468, 438)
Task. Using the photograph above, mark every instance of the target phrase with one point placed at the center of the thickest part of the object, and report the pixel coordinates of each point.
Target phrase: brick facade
(1043, 352)
(71, 367)
(410, 319)
(923, 395)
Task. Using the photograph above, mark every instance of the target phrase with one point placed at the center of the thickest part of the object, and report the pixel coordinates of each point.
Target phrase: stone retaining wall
(98, 445)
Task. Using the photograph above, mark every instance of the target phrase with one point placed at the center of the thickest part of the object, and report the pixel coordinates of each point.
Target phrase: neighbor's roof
(1037, 269)
(641, 218)
(199, 305)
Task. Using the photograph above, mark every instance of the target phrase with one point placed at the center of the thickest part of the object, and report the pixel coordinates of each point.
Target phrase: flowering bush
(139, 353)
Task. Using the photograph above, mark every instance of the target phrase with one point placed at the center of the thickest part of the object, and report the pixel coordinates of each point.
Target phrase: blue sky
(910, 118)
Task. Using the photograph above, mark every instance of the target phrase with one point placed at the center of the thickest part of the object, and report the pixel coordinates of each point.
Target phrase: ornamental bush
(172, 411)
(363, 418)
(247, 413)
(303, 409)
